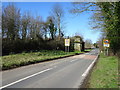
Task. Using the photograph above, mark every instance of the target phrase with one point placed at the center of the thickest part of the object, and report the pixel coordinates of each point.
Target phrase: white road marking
(73, 60)
(78, 59)
(86, 53)
(82, 56)
(87, 70)
(25, 78)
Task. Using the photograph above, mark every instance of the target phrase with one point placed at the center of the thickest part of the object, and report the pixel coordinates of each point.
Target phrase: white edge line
(72, 60)
(87, 70)
(25, 78)
(77, 59)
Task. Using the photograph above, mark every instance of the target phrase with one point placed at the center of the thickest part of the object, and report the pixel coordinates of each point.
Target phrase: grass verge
(105, 73)
(22, 59)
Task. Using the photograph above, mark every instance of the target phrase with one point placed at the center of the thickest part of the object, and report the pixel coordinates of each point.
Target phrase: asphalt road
(61, 73)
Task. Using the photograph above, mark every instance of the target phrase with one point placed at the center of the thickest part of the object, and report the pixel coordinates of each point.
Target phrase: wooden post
(104, 51)
(65, 49)
(107, 51)
(68, 48)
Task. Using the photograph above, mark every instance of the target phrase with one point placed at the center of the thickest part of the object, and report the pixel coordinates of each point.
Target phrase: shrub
(19, 45)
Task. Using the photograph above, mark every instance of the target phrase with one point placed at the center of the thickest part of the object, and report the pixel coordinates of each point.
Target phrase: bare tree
(25, 24)
(58, 14)
(88, 43)
(51, 27)
(45, 29)
(35, 28)
(39, 30)
(11, 21)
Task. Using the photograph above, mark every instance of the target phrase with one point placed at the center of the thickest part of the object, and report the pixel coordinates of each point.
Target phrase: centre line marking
(82, 56)
(73, 60)
(25, 78)
(78, 59)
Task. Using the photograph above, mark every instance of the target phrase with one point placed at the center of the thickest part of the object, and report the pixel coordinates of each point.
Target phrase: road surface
(61, 73)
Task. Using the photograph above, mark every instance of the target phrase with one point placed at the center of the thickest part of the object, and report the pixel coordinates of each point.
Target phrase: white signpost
(67, 44)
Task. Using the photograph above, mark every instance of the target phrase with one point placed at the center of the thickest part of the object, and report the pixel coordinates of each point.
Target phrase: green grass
(105, 74)
(16, 60)
(88, 50)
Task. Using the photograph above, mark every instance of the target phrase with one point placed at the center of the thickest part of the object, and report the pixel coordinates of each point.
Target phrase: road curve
(61, 73)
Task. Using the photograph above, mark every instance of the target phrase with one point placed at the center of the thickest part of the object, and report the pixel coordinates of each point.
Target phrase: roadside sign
(67, 42)
(106, 43)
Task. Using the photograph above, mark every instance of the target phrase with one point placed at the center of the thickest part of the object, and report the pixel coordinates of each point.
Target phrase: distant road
(61, 73)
